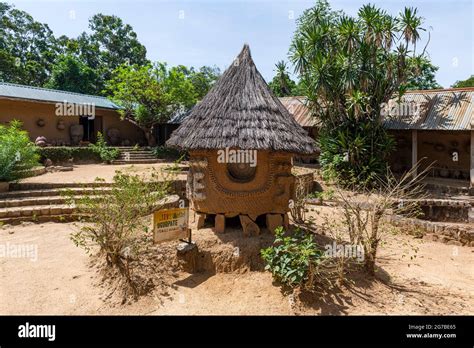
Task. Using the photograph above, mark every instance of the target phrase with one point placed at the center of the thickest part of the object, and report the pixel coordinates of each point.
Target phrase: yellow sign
(170, 224)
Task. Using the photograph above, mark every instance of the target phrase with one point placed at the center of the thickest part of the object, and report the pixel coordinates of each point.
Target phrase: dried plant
(364, 213)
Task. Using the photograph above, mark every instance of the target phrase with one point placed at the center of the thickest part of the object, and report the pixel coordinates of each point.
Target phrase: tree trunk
(150, 138)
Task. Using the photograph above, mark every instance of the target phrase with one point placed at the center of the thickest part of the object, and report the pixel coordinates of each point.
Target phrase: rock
(201, 220)
(274, 221)
(187, 254)
(430, 236)
(219, 223)
(250, 228)
(48, 162)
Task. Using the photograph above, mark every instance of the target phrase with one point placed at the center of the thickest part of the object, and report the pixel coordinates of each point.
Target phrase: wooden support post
(472, 159)
(219, 223)
(414, 149)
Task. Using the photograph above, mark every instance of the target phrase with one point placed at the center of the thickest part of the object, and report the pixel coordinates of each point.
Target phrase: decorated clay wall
(213, 190)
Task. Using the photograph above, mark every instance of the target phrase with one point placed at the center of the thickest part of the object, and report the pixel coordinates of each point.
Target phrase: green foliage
(424, 74)
(61, 154)
(71, 74)
(17, 152)
(355, 154)
(105, 152)
(323, 195)
(151, 94)
(118, 221)
(465, 83)
(27, 48)
(203, 79)
(282, 85)
(168, 152)
(351, 66)
(292, 258)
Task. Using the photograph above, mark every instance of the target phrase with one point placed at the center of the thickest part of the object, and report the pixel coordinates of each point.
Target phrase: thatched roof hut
(240, 111)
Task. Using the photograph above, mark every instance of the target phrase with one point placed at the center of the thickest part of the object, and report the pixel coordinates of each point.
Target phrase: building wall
(438, 147)
(29, 112)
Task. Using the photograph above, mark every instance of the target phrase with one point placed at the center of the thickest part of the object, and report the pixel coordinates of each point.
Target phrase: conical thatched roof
(240, 111)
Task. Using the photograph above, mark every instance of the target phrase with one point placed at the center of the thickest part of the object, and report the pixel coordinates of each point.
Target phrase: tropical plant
(465, 83)
(351, 66)
(282, 85)
(17, 152)
(105, 152)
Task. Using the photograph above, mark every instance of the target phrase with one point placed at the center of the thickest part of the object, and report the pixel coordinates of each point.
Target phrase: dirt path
(86, 173)
(440, 280)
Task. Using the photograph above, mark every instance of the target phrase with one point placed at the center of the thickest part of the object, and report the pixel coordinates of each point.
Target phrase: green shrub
(119, 222)
(355, 153)
(59, 154)
(291, 259)
(105, 152)
(168, 153)
(17, 152)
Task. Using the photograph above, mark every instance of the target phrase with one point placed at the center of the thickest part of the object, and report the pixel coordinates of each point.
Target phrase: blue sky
(212, 32)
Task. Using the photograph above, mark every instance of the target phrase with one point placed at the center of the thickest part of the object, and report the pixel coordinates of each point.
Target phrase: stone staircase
(43, 202)
(131, 155)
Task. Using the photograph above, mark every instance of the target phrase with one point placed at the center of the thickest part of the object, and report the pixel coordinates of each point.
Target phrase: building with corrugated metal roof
(54, 114)
(436, 126)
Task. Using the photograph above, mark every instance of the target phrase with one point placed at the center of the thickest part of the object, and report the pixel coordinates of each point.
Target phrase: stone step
(21, 186)
(11, 195)
(35, 211)
(138, 161)
(139, 156)
(36, 201)
(41, 219)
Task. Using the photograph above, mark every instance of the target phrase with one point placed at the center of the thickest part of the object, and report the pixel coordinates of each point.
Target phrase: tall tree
(464, 83)
(71, 74)
(282, 85)
(423, 74)
(150, 94)
(28, 48)
(351, 67)
(110, 43)
(203, 79)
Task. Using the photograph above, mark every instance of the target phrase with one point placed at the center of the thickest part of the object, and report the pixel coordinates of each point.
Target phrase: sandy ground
(87, 173)
(440, 280)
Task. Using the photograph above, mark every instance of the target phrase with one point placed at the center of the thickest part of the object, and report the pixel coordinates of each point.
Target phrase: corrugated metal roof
(179, 116)
(297, 107)
(449, 109)
(10, 90)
